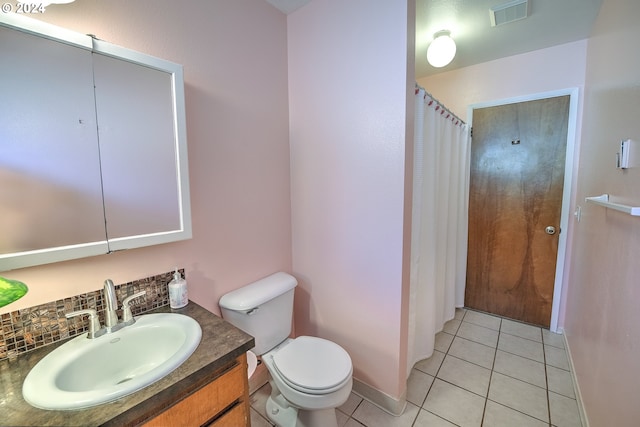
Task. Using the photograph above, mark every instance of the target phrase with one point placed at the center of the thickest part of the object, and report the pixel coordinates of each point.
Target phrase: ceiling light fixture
(441, 50)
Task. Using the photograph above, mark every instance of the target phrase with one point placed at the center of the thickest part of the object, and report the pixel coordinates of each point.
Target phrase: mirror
(92, 147)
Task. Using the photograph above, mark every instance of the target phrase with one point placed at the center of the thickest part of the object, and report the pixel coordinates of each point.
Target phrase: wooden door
(515, 194)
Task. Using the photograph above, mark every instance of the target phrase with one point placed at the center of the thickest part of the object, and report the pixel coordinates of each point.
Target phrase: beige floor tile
(564, 411)
(443, 341)
(418, 386)
(496, 415)
(257, 420)
(455, 404)
(521, 347)
(518, 395)
(451, 327)
(471, 377)
(258, 400)
(520, 368)
(560, 381)
(472, 352)
(556, 357)
(431, 365)
(350, 423)
(482, 319)
(427, 419)
(341, 417)
(479, 334)
(351, 404)
(372, 416)
(521, 330)
(476, 343)
(553, 339)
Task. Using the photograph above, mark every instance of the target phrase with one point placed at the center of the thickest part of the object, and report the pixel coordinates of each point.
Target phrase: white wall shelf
(604, 201)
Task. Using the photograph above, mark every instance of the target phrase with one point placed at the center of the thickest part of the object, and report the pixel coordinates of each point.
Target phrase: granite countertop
(221, 343)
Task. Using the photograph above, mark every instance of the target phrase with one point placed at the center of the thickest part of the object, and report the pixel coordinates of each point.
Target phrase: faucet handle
(127, 317)
(94, 322)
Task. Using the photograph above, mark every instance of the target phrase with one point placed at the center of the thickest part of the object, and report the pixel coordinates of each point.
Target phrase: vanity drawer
(211, 401)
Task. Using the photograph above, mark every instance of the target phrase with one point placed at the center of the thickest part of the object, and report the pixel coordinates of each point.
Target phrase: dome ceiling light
(441, 50)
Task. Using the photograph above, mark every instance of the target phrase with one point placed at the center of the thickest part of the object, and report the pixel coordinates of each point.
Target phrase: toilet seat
(313, 365)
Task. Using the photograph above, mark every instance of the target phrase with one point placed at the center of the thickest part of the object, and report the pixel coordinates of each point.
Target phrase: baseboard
(385, 402)
(576, 386)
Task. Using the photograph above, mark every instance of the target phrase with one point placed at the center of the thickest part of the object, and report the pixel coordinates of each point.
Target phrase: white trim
(382, 400)
(576, 387)
(572, 128)
(13, 261)
(39, 28)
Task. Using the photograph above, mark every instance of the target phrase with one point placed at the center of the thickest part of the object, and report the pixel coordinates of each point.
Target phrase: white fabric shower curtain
(439, 226)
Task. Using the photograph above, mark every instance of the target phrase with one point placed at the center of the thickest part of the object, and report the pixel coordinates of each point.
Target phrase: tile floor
(486, 371)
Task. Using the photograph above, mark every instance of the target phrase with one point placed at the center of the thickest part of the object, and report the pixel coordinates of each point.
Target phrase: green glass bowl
(11, 291)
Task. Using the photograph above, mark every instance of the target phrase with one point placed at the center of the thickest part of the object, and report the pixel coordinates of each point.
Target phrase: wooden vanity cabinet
(223, 402)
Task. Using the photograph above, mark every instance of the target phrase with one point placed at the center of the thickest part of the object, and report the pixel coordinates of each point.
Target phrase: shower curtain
(439, 226)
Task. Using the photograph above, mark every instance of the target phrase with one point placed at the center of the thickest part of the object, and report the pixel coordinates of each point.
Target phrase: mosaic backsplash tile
(34, 327)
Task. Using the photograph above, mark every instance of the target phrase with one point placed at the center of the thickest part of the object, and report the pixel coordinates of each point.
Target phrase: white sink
(88, 372)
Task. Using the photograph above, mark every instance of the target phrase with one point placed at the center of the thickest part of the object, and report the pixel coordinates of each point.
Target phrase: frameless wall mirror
(93, 154)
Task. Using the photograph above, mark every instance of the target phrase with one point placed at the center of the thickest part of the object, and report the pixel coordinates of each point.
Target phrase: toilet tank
(263, 309)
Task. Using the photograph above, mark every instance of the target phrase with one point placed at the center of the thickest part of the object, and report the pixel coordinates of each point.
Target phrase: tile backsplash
(34, 327)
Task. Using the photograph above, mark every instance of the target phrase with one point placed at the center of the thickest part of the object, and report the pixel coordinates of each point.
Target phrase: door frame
(572, 129)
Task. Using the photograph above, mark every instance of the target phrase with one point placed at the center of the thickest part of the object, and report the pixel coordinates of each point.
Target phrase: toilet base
(283, 414)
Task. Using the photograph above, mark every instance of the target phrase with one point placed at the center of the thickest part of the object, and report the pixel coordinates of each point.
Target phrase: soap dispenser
(178, 291)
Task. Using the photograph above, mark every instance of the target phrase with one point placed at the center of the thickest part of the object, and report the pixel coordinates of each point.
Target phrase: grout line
(546, 381)
(524, 357)
(524, 338)
(517, 410)
(493, 366)
(473, 363)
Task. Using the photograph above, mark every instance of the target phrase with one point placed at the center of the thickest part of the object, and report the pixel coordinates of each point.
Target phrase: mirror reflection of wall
(137, 153)
(50, 188)
(92, 147)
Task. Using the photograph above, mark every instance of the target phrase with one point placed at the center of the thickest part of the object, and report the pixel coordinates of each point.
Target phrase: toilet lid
(312, 364)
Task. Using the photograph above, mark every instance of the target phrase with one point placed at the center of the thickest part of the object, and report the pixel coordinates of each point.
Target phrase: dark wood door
(515, 193)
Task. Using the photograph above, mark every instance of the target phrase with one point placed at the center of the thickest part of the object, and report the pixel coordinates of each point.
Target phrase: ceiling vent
(508, 12)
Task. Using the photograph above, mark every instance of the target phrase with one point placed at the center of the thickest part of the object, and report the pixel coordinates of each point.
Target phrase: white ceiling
(550, 23)
(288, 6)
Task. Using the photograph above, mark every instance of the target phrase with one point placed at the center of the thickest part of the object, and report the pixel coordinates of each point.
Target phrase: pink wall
(602, 315)
(558, 67)
(348, 85)
(235, 64)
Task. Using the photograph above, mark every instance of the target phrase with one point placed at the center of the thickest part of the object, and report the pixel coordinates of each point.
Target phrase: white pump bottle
(178, 297)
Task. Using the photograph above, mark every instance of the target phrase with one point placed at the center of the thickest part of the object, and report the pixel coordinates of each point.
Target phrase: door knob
(550, 230)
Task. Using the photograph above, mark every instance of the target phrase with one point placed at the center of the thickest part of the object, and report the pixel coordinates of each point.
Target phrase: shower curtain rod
(440, 105)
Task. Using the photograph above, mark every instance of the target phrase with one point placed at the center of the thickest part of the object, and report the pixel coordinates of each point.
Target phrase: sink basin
(88, 372)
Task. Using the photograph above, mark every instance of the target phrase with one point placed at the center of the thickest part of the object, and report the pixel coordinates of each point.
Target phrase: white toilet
(310, 376)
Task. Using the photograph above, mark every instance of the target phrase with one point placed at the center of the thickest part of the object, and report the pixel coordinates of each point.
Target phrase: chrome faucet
(111, 323)
(110, 314)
